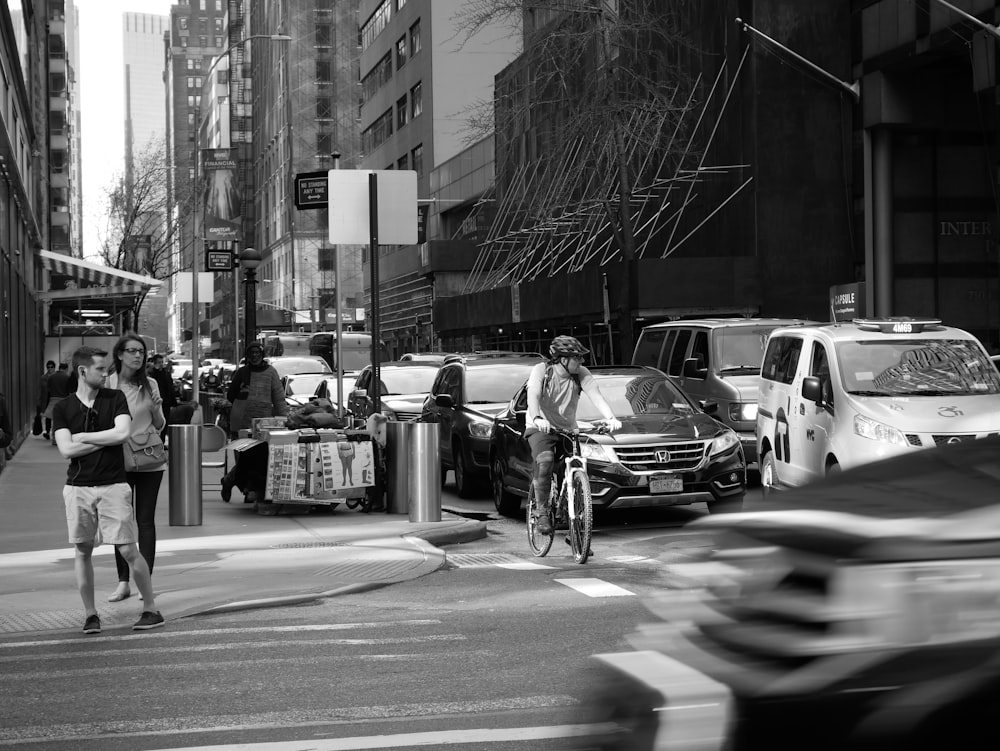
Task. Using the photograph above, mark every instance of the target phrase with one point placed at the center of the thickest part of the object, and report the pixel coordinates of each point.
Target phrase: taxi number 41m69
(665, 484)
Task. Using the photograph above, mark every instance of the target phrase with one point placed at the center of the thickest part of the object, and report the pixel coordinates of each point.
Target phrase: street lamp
(250, 259)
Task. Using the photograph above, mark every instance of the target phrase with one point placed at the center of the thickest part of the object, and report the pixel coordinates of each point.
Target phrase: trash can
(184, 475)
(397, 458)
(424, 482)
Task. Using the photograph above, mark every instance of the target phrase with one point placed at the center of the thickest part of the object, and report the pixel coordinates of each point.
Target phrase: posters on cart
(318, 471)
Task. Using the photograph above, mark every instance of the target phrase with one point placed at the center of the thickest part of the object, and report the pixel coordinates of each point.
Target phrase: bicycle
(570, 504)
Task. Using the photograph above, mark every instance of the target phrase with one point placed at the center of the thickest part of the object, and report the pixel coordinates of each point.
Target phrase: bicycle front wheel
(539, 543)
(580, 508)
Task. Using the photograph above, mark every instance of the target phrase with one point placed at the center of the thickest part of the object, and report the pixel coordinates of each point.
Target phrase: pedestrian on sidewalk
(90, 427)
(58, 389)
(146, 406)
(165, 383)
(6, 431)
(43, 398)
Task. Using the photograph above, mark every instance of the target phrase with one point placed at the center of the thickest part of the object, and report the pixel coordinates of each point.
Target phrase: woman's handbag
(36, 426)
(144, 453)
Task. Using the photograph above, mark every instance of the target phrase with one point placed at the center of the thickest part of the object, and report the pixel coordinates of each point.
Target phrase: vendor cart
(310, 467)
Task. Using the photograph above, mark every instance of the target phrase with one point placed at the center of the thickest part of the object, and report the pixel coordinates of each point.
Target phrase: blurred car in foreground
(667, 453)
(308, 364)
(463, 399)
(434, 357)
(404, 387)
(859, 612)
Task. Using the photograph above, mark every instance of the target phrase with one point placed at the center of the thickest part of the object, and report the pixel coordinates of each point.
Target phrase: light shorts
(108, 507)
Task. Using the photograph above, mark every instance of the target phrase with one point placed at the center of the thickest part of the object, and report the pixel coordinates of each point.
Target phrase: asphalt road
(491, 652)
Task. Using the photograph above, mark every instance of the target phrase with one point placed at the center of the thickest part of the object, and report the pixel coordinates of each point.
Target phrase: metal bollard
(184, 473)
(397, 438)
(424, 482)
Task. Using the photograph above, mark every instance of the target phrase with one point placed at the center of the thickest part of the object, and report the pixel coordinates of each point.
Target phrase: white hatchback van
(842, 394)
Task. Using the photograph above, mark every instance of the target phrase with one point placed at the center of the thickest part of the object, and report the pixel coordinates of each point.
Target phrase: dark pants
(145, 487)
(249, 470)
(545, 449)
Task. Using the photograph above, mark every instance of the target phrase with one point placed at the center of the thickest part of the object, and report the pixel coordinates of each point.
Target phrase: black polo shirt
(106, 466)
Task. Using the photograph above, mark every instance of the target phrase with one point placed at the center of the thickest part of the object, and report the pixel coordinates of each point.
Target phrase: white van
(715, 361)
(839, 395)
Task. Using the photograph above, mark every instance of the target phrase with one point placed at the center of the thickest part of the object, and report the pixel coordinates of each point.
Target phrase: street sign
(311, 190)
(218, 260)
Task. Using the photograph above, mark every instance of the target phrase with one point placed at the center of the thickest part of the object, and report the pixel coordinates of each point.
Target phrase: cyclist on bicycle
(554, 389)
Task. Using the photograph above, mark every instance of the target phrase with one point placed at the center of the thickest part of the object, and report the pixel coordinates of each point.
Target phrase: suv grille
(650, 458)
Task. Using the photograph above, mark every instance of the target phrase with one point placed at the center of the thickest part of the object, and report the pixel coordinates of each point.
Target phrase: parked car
(463, 399)
(437, 357)
(405, 385)
(859, 612)
(667, 453)
(308, 364)
(300, 387)
(714, 360)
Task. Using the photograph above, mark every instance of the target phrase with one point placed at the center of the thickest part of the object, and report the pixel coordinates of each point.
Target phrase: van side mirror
(444, 400)
(709, 408)
(812, 389)
(694, 367)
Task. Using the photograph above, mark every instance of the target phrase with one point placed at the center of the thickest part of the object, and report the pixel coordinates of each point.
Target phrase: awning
(88, 279)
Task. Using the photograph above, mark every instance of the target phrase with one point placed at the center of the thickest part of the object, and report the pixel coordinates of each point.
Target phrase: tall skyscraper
(142, 56)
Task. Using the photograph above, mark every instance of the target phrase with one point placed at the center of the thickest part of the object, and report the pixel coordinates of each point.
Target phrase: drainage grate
(367, 570)
(480, 560)
(287, 545)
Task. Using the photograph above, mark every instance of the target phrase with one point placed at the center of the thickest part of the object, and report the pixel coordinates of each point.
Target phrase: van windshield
(741, 348)
(925, 367)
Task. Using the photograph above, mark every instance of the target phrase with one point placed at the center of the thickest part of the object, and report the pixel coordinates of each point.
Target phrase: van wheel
(768, 474)
(834, 469)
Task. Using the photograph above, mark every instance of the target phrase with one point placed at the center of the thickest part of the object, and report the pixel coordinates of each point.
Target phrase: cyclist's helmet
(566, 346)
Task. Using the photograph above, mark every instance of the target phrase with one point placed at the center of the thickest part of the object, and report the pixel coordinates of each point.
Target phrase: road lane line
(596, 587)
(429, 738)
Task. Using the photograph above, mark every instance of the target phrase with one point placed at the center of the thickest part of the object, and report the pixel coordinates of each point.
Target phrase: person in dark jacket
(59, 387)
(6, 431)
(161, 375)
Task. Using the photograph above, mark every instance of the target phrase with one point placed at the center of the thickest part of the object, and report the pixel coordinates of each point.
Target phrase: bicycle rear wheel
(580, 508)
(539, 543)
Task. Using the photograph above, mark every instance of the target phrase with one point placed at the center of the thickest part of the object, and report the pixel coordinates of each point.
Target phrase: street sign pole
(376, 379)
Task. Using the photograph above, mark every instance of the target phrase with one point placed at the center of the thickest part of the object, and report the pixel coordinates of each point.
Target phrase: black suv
(463, 400)
(667, 453)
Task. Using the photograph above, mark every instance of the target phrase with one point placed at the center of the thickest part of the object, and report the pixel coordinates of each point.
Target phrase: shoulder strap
(547, 379)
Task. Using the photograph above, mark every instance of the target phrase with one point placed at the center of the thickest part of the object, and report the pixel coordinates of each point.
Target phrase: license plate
(665, 484)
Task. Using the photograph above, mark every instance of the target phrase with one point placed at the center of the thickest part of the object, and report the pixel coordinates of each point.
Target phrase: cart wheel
(266, 508)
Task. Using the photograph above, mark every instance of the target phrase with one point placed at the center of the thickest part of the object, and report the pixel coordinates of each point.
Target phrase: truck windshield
(741, 347)
(924, 367)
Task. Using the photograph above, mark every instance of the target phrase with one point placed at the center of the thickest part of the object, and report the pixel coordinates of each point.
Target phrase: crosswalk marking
(596, 587)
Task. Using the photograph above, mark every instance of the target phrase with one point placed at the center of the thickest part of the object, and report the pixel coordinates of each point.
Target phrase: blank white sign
(347, 198)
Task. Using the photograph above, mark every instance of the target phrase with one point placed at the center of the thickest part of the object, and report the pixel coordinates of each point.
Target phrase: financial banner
(223, 201)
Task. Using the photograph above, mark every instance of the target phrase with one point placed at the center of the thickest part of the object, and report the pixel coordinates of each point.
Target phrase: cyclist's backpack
(547, 379)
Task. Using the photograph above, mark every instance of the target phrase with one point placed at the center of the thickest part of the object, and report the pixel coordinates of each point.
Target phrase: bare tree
(594, 129)
(138, 236)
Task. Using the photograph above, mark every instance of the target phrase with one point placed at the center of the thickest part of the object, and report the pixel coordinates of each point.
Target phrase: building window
(415, 39)
(190, 118)
(377, 77)
(404, 162)
(218, 6)
(190, 82)
(401, 52)
(203, 40)
(324, 144)
(190, 64)
(191, 100)
(219, 41)
(416, 101)
(377, 133)
(182, 23)
(323, 70)
(374, 25)
(324, 108)
(218, 25)
(322, 35)
(184, 42)
(401, 113)
(417, 159)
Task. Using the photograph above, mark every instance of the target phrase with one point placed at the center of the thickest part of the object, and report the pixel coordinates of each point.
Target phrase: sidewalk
(235, 559)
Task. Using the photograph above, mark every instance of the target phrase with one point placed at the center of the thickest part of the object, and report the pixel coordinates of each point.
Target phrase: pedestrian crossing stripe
(490, 560)
(596, 587)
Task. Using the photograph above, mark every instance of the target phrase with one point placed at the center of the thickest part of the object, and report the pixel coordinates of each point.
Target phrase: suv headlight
(727, 441)
(876, 431)
(592, 451)
(480, 429)
(743, 411)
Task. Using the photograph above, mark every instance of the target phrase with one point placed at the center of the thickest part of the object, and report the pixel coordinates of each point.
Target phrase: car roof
(405, 364)
(720, 323)
(487, 361)
(867, 330)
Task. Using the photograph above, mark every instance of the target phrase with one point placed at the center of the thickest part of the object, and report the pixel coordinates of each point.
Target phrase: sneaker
(45, 436)
(543, 525)
(148, 620)
(92, 625)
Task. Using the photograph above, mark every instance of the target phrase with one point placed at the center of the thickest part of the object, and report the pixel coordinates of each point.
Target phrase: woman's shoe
(122, 592)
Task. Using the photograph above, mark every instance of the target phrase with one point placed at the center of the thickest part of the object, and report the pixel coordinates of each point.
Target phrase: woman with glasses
(146, 405)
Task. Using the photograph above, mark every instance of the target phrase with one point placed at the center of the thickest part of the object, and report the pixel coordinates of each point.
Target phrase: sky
(103, 114)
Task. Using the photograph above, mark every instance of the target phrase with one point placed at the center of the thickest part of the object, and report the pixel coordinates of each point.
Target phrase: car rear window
(486, 385)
